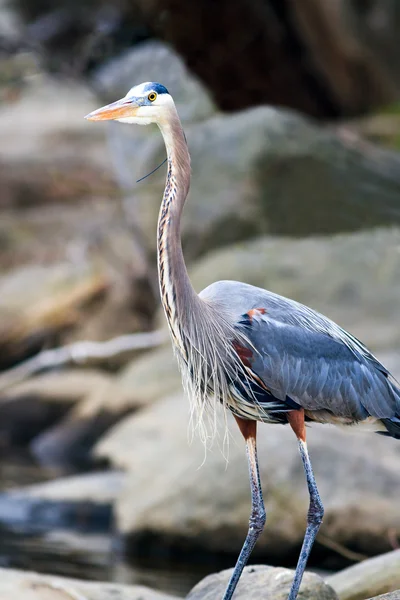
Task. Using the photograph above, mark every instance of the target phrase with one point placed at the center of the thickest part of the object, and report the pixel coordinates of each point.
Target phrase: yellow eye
(152, 96)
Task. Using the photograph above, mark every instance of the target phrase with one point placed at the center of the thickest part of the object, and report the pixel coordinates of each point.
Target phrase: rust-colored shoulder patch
(245, 354)
(254, 311)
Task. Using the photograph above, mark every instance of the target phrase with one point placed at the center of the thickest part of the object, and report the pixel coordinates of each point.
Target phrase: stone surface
(268, 171)
(176, 501)
(155, 61)
(69, 385)
(22, 585)
(39, 301)
(143, 381)
(374, 576)
(80, 503)
(262, 583)
(56, 303)
(338, 276)
(391, 596)
(100, 486)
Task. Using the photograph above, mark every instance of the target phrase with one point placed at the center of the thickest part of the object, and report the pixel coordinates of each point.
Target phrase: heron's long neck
(177, 294)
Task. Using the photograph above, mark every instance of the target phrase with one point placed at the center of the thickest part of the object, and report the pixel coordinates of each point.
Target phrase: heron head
(143, 104)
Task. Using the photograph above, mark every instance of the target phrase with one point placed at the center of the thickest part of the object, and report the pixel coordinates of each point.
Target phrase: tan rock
(260, 582)
(22, 585)
(70, 385)
(373, 576)
(391, 596)
(168, 494)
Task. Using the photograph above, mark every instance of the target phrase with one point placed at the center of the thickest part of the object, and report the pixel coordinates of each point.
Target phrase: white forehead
(143, 89)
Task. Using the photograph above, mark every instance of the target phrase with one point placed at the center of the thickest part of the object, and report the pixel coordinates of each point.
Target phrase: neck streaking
(203, 333)
(177, 294)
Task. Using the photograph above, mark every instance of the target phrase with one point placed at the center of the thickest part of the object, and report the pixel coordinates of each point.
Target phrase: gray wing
(303, 356)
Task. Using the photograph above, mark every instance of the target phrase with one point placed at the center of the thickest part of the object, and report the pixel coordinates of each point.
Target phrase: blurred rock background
(292, 115)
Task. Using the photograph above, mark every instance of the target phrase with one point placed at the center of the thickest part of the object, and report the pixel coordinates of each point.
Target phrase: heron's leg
(257, 517)
(316, 509)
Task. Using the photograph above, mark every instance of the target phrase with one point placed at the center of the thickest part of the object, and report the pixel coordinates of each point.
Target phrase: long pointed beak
(116, 110)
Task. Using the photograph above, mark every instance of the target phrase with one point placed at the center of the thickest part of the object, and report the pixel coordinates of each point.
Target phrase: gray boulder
(77, 503)
(391, 596)
(262, 583)
(168, 497)
(265, 170)
(155, 61)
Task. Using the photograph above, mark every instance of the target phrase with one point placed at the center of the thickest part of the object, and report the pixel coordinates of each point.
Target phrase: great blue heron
(265, 357)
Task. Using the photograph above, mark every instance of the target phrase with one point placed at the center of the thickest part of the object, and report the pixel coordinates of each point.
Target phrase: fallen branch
(80, 353)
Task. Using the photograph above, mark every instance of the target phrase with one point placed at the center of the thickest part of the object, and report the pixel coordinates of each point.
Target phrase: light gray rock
(80, 503)
(144, 380)
(70, 385)
(168, 495)
(391, 596)
(260, 582)
(22, 585)
(374, 576)
(150, 377)
(338, 276)
(101, 487)
(267, 171)
(155, 61)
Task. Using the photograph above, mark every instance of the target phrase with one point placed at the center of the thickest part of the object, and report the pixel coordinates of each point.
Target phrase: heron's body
(265, 357)
(304, 360)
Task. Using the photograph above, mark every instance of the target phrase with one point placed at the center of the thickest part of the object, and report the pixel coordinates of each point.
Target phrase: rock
(177, 503)
(155, 61)
(141, 382)
(150, 377)
(262, 583)
(81, 503)
(70, 440)
(24, 417)
(268, 171)
(55, 304)
(358, 265)
(74, 36)
(62, 159)
(374, 576)
(69, 385)
(101, 487)
(24, 585)
(30, 407)
(37, 302)
(391, 596)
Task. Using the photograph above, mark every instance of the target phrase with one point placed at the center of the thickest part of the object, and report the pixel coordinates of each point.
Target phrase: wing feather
(318, 368)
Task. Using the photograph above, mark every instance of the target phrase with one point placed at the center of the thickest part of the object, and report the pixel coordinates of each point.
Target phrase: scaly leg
(257, 518)
(316, 509)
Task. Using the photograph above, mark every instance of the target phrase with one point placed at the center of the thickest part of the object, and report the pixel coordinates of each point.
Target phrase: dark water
(86, 555)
